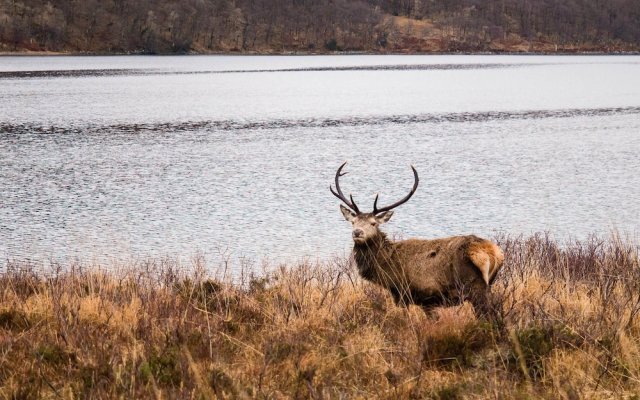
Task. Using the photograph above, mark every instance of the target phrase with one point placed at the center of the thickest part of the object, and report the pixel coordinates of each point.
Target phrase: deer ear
(348, 214)
(384, 217)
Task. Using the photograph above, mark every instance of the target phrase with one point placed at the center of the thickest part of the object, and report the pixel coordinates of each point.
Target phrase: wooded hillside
(276, 26)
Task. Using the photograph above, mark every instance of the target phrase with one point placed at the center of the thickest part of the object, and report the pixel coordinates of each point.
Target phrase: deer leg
(404, 294)
(480, 297)
(488, 308)
(398, 298)
(430, 311)
(427, 303)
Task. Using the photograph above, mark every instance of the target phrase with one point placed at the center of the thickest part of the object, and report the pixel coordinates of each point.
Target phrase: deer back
(439, 263)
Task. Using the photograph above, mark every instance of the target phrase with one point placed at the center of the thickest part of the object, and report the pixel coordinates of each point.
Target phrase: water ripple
(79, 73)
(233, 125)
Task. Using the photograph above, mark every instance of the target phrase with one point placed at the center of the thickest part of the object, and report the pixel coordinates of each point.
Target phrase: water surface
(125, 157)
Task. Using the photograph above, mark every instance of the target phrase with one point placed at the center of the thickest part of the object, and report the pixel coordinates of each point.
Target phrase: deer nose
(357, 233)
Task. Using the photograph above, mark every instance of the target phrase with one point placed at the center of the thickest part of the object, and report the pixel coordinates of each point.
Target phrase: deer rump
(432, 273)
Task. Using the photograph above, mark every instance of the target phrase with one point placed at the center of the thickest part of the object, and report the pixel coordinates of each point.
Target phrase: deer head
(367, 225)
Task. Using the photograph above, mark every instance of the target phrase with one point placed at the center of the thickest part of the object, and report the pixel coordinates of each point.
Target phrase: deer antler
(351, 204)
(377, 210)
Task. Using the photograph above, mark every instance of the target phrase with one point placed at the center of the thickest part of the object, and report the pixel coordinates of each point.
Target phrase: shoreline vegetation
(319, 27)
(28, 53)
(569, 328)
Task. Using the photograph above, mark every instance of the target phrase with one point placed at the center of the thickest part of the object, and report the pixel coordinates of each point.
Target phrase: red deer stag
(428, 273)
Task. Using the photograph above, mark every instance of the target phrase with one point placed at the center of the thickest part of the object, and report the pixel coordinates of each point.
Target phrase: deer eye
(374, 223)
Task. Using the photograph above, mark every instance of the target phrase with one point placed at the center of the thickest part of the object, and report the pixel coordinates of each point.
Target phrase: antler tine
(353, 204)
(377, 210)
(338, 192)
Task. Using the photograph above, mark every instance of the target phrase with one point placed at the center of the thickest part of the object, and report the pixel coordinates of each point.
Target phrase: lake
(108, 159)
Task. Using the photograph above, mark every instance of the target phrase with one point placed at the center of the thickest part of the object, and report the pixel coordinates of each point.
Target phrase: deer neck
(375, 257)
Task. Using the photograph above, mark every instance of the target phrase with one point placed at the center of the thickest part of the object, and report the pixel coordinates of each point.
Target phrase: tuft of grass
(569, 328)
(54, 354)
(14, 320)
(533, 345)
(457, 348)
(452, 392)
(164, 366)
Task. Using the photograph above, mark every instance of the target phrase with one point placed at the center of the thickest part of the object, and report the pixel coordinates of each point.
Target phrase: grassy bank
(571, 329)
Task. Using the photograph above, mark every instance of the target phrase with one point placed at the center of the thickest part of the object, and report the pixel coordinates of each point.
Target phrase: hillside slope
(279, 26)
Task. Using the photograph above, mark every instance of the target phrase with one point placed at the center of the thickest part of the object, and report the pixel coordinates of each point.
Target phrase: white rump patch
(485, 270)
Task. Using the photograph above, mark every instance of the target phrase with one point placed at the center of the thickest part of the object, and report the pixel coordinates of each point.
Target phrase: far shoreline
(303, 53)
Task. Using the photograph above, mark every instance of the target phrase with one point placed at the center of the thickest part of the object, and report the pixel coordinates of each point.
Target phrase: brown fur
(431, 273)
(487, 257)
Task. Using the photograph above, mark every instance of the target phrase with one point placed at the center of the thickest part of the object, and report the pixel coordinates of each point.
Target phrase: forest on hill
(319, 26)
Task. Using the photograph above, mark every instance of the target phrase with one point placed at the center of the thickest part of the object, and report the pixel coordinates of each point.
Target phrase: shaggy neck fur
(375, 259)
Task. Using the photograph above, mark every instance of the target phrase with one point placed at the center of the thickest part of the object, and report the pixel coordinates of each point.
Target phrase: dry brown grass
(570, 329)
